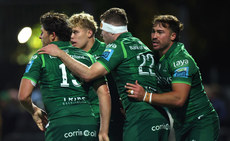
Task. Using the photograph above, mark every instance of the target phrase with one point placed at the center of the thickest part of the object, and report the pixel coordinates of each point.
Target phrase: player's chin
(156, 48)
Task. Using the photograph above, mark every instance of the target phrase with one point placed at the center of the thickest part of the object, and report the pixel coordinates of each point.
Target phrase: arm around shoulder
(97, 70)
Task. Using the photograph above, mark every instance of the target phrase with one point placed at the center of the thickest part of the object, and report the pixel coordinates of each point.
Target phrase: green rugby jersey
(129, 60)
(96, 51)
(178, 66)
(116, 116)
(62, 93)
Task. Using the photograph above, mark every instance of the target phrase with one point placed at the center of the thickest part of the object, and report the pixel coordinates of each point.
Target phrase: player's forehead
(78, 28)
(160, 26)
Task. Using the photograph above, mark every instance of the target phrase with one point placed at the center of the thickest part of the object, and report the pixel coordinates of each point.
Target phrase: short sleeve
(182, 69)
(33, 68)
(112, 56)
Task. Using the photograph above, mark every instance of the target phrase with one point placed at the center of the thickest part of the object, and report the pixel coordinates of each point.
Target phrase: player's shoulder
(36, 56)
(100, 42)
(120, 42)
(182, 60)
(113, 45)
(179, 52)
(183, 55)
(74, 50)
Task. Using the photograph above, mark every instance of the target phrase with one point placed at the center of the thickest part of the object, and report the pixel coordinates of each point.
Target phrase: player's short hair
(171, 22)
(83, 20)
(116, 16)
(56, 22)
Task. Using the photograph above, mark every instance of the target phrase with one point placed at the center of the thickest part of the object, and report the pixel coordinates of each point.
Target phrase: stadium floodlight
(24, 35)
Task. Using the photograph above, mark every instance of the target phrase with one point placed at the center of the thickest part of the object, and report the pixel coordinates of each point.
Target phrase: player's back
(129, 60)
(64, 94)
(137, 65)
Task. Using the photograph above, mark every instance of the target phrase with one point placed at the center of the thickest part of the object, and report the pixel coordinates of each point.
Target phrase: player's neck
(163, 52)
(89, 44)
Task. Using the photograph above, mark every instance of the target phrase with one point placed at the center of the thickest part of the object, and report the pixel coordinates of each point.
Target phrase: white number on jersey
(147, 59)
(64, 77)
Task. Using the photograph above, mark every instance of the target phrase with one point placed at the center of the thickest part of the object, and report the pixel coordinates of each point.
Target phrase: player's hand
(103, 137)
(135, 91)
(40, 118)
(50, 49)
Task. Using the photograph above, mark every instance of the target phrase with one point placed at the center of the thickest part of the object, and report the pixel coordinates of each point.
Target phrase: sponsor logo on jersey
(136, 47)
(111, 46)
(73, 100)
(180, 63)
(78, 133)
(78, 57)
(160, 127)
(181, 72)
(34, 57)
(107, 54)
(29, 65)
(54, 57)
(164, 81)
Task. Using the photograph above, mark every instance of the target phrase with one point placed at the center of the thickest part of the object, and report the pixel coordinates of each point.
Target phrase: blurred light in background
(29, 36)
(35, 42)
(24, 35)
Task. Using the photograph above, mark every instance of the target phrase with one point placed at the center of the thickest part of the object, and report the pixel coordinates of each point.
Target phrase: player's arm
(105, 109)
(97, 70)
(24, 97)
(175, 98)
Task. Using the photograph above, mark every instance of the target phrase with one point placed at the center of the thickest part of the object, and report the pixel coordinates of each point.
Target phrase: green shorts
(146, 126)
(72, 129)
(203, 129)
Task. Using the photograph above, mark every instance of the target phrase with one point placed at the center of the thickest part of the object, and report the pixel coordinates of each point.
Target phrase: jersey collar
(124, 35)
(61, 43)
(95, 46)
(175, 46)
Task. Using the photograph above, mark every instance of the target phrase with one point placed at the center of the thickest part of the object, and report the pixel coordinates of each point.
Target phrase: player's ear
(52, 36)
(173, 36)
(90, 33)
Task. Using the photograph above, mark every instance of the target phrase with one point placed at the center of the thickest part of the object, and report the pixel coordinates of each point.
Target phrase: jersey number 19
(64, 77)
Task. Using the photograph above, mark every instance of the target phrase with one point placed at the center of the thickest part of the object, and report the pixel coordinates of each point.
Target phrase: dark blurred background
(205, 36)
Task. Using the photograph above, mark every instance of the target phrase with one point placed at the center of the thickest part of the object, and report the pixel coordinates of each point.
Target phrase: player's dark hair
(169, 21)
(56, 22)
(116, 16)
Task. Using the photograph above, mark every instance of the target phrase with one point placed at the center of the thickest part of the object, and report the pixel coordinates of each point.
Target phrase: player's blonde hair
(83, 20)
